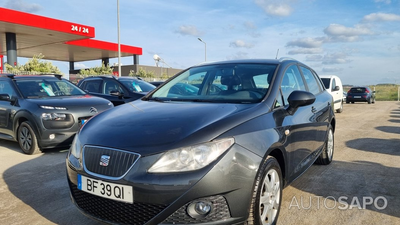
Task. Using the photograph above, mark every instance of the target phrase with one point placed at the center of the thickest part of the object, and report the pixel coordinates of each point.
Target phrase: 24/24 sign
(79, 29)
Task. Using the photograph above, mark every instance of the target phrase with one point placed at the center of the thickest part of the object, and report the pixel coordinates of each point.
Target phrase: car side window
(311, 81)
(93, 86)
(111, 85)
(5, 88)
(291, 81)
(333, 84)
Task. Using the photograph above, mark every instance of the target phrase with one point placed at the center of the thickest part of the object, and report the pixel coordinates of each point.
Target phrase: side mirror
(116, 93)
(337, 88)
(298, 99)
(5, 97)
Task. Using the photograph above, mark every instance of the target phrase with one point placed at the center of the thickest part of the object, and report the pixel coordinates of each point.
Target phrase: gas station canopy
(56, 39)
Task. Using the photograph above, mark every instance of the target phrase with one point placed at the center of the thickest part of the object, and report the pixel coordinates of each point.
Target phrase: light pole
(119, 42)
(205, 49)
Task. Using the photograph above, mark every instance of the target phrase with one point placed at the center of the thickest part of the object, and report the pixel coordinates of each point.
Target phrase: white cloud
(384, 1)
(188, 30)
(238, 55)
(335, 58)
(251, 29)
(314, 58)
(22, 6)
(80, 66)
(331, 69)
(240, 44)
(305, 51)
(306, 43)
(276, 7)
(380, 17)
(340, 30)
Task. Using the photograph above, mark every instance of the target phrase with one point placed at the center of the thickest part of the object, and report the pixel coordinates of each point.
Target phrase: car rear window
(357, 90)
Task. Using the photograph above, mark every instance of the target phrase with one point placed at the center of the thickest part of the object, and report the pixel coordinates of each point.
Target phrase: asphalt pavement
(360, 186)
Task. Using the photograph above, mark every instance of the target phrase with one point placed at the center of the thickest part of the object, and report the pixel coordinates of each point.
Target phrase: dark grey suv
(208, 156)
(44, 111)
(117, 90)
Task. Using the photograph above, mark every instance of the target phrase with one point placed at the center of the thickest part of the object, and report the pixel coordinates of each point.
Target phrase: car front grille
(116, 164)
(114, 211)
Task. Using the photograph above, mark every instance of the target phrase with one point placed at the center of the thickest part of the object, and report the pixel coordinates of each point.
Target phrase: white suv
(334, 86)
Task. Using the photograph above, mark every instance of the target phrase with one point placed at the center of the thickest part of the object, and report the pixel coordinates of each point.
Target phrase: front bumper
(164, 198)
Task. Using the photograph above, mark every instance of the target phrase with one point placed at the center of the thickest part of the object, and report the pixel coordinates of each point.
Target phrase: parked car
(41, 112)
(211, 157)
(334, 86)
(117, 90)
(360, 94)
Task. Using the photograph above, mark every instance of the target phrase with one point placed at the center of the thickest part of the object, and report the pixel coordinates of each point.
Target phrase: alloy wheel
(270, 197)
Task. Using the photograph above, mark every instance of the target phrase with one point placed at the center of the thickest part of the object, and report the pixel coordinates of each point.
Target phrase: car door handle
(313, 109)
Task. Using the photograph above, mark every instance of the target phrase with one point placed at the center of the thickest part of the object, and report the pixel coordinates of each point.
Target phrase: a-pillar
(11, 44)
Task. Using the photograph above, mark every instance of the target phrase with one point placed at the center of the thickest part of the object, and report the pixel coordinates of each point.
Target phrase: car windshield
(137, 85)
(238, 83)
(47, 87)
(326, 82)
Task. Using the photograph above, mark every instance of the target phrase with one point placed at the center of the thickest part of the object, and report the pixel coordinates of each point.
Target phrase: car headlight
(76, 147)
(191, 158)
(53, 116)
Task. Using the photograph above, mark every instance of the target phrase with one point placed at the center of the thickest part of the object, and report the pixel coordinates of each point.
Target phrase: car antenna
(277, 52)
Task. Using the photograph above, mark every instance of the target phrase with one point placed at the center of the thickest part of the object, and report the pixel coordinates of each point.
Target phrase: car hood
(148, 127)
(65, 101)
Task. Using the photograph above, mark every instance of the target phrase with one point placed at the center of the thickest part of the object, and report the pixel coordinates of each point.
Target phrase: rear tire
(326, 155)
(27, 139)
(339, 110)
(267, 194)
(369, 101)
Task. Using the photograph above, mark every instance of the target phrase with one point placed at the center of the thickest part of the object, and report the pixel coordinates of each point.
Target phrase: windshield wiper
(157, 99)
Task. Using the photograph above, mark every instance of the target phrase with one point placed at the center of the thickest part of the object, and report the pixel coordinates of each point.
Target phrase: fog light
(52, 136)
(199, 209)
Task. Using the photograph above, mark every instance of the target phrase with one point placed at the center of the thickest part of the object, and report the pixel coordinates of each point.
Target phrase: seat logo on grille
(104, 160)
(93, 110)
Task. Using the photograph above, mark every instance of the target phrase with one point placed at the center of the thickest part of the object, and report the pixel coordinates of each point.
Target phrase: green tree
(34, 66)
(97, 70)
(142, 73)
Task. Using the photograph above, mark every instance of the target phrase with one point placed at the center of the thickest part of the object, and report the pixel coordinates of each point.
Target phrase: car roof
(13, 76)
(112, 77)
(266, 61)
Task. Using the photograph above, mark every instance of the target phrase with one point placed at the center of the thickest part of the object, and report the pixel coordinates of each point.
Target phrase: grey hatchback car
(209, 155)
(44, 111)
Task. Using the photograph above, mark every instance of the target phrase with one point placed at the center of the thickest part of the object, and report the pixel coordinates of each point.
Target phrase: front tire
(326, 155)
(267, 194)
(27, 139)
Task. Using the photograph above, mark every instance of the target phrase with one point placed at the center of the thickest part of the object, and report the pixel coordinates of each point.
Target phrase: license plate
(118, 192)
(357, 96)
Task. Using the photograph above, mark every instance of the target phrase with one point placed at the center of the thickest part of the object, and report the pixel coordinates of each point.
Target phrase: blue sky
(358, 40)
